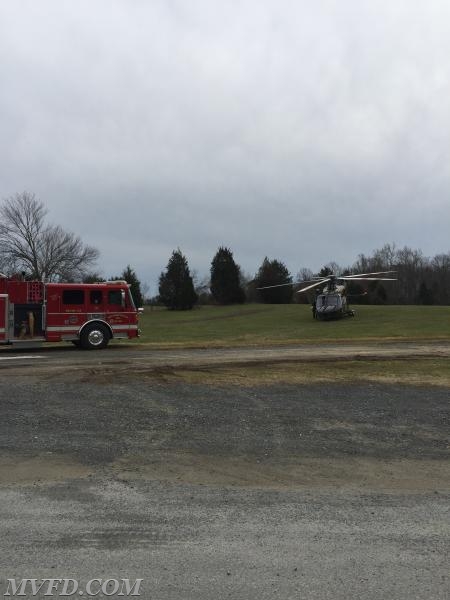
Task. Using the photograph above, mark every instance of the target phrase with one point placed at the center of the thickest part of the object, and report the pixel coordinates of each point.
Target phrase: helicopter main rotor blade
(266, 287)
(313, 285)
(357, 275)
(370, 279)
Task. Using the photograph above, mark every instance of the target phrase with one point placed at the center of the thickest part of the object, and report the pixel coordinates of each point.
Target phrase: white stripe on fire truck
(71, 328)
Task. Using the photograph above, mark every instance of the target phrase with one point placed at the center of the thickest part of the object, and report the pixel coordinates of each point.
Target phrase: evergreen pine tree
(325, 271)
(176, 288)
(129, 275)
(274, 273)
(226, 285)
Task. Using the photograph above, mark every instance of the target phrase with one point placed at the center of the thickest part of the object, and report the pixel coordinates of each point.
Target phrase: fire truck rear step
(34, 343)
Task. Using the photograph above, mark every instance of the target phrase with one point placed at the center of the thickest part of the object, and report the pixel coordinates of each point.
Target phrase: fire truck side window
(73, 297)
(96, 297)
(115, 297)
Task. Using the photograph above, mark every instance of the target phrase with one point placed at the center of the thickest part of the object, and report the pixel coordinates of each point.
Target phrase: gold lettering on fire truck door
(117, 319)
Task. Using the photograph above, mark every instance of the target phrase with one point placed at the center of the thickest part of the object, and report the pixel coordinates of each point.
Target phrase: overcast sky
(307, 131)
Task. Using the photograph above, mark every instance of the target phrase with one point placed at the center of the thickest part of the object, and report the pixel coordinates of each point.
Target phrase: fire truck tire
(94, 337)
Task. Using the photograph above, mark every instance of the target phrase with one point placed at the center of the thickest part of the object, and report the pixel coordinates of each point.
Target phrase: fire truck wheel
(94, 337)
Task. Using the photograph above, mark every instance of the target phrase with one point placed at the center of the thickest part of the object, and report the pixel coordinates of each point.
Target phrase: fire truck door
(3, 317)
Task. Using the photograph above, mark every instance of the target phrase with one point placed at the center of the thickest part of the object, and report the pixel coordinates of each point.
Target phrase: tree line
(32, 247)
(419, 280)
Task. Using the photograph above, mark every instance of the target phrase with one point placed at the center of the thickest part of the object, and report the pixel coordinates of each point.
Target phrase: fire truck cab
(88, 315)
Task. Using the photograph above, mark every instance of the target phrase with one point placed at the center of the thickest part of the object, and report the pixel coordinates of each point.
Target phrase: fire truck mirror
(122, 298)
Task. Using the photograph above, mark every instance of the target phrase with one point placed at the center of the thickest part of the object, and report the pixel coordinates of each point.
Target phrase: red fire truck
(88, 315)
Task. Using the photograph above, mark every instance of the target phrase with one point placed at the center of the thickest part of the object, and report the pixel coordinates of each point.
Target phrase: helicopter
(332, 301)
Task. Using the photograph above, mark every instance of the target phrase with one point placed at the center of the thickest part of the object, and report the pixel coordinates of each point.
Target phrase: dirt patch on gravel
(434, 371)
(43, 468)
(290, 473)
(356, 473)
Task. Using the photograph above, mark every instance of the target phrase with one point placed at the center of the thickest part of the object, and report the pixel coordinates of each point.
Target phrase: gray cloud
(307, 132)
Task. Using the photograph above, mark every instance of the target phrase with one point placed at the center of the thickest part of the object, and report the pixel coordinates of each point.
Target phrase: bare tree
(305, 274)
(334, 267)
(42, 251)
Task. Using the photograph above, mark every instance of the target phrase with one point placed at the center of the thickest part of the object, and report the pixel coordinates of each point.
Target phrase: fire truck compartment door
(3, 317)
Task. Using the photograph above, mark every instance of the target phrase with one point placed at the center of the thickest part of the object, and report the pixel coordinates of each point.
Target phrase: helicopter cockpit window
(332, 300)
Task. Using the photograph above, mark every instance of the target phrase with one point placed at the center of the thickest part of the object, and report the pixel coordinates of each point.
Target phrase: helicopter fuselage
(331, 303)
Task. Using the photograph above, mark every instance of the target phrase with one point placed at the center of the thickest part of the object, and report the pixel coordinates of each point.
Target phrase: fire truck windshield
(130, 299)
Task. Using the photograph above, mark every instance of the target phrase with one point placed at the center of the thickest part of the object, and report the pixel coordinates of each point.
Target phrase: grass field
(262, 324)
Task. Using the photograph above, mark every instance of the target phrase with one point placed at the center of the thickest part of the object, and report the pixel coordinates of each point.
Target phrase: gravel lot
(281, 491)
